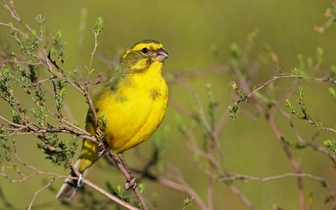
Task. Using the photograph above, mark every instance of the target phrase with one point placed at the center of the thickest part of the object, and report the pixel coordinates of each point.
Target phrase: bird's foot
(80, 182)
(104, 147)
(130, 183)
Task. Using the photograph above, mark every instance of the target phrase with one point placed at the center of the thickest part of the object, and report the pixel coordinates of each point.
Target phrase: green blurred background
(190, 30)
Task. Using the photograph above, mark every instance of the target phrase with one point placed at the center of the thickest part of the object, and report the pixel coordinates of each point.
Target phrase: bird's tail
(69, 187)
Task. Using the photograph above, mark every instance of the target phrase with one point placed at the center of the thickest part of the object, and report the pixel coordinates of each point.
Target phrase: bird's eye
(145, 50)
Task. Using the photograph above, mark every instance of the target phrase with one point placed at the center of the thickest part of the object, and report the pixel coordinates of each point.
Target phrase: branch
(246, 178)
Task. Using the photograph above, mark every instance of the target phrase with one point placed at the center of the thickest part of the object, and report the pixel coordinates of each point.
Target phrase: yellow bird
(133, 104)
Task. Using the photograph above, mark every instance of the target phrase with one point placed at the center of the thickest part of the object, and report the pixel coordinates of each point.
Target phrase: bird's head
(143, 54)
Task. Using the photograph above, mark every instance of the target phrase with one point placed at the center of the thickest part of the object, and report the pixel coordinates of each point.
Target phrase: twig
(200, 105)
(260, 86)
(92, 53)
(304, 141)
(242, 197)
(37, 192)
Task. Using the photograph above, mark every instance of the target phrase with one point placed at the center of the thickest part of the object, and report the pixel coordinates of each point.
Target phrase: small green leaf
(331, 145)
(233, 110)
(99, 25)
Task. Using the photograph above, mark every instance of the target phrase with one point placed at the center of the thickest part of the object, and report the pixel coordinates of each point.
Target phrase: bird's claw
(130, 183)
(103, 148)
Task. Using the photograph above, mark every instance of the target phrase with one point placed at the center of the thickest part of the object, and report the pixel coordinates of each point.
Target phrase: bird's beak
(161, 55)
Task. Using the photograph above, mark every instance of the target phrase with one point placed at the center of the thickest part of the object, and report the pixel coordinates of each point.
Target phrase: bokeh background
(190, 31)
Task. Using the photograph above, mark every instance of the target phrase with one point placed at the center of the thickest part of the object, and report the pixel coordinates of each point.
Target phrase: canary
(132, 103)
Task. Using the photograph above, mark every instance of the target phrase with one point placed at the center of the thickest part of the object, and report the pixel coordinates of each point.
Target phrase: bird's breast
(134, 110)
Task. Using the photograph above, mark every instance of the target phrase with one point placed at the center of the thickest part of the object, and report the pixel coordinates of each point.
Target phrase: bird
(132, 104)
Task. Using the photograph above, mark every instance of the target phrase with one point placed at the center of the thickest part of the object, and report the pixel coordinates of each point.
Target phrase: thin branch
(287, 76)
(304, 141)
(200, 105)
(37, 192)
(246, 178)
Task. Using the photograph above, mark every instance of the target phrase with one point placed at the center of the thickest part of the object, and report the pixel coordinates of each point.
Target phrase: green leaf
(233, 110)
(99, 25)
(331, 145)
